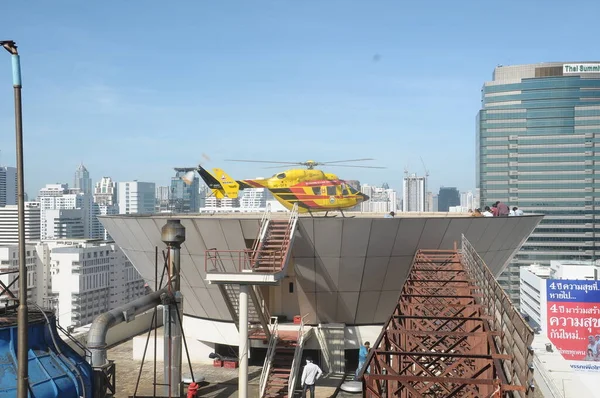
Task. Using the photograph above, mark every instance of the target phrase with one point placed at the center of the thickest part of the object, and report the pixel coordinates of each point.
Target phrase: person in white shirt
(516, 212)
(310, 375)
(487, 212)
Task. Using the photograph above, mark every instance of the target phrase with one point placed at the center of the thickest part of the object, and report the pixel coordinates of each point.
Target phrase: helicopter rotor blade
(260, 161)
(346, 161)
(359, 167)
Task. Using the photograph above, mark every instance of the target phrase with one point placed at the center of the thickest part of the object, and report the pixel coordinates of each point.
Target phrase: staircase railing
(264, 376)
(324, 348)
(289, 233)
(264, 227)
(297, 360)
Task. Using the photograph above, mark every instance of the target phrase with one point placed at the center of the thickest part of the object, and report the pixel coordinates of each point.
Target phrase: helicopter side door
(332, 191)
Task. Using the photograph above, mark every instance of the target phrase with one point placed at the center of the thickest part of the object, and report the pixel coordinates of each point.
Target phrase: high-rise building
(90, 278)
(184, 194)
(537, 136)
(435, 203)
(105, 192)
(82, 180)
(136, 197)
(163, 194)
(467, 201)
(429, 202)
(381, 200)
(55, 223)
(8, 186)
(448, 197)
(413, 194)
(105, 203)
(9, 223)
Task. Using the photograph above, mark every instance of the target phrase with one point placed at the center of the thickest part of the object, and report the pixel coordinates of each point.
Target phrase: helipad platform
(346, 270)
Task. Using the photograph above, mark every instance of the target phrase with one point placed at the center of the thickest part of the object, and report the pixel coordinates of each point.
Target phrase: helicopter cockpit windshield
(352, 190)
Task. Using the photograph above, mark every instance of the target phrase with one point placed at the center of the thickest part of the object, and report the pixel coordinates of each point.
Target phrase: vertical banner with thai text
(574, 320)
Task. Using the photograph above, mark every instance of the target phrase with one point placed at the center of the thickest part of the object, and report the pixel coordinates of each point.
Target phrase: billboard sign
(574, 321)
(580, 68)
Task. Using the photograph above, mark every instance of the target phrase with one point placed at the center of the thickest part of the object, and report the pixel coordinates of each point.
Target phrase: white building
(562, 313)
(253, 199)
(413, 194)
(9, 223)
(381, 200)
(55, 197)
(105, 192)
(90, 278)
(212, 204)
(105, 203)
(533, 289)
(467, 201)
(9, 267)
(8, 186)
(136, 197)
(64, 224)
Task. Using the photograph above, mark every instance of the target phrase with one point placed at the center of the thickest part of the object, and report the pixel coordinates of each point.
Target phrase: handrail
(264, 227)
(324, 348)
(293, 220)
(264, 309)
(297, 359)
(264, 376)
(86, 351)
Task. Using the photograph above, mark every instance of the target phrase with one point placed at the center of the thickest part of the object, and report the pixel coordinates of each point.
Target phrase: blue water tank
(55, 369)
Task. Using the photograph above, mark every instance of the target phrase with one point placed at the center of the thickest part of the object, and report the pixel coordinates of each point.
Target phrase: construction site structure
(453, 333)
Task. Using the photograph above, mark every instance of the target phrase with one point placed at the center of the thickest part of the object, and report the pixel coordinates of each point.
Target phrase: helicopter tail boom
(221, 184)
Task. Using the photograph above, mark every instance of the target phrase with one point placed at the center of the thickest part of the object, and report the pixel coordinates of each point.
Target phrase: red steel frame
(439, 341)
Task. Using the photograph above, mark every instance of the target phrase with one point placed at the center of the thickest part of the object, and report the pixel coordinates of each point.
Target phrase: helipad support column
(243, 348)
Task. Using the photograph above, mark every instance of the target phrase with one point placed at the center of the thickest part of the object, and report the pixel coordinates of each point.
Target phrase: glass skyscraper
(537, 134)
(185, 197)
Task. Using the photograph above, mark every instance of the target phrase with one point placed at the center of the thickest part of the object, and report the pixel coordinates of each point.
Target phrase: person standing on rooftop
(310, 375)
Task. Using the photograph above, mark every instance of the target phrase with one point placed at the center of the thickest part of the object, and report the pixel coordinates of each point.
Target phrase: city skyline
(276, 77)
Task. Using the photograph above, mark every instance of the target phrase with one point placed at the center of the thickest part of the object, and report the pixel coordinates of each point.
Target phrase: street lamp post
(22, 318)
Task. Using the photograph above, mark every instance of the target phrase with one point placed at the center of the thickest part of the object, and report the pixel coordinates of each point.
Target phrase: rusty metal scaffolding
(454, 333)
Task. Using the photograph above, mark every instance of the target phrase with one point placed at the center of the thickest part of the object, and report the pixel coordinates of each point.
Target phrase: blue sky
(133, 88)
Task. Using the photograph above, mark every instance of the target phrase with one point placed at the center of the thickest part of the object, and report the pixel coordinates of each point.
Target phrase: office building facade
(448, 197)
(413, 194)
(9, 223)
(136, 197)
(184, 195)
(82, 180)
(537, 137)
(8, 186)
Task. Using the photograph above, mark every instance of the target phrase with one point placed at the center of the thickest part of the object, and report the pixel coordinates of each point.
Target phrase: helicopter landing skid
(333, 215)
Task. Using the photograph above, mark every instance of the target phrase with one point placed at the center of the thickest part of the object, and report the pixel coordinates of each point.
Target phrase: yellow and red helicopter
(313, 190)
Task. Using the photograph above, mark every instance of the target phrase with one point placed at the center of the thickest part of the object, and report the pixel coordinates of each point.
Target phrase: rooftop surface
(554, 376)
(285, 214)
(220, 382)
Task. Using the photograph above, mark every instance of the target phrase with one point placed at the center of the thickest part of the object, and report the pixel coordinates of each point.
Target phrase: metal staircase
(264, 264)
(282, 364)
(271, 250)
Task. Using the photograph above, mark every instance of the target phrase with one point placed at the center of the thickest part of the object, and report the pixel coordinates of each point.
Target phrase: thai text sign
(574, 318)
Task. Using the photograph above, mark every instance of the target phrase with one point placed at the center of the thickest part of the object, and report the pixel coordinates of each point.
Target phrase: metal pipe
(243, 347)
(99, 329)
(22, 317)
(173, 235)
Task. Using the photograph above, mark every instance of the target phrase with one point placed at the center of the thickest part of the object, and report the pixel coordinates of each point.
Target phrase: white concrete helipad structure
(342, 270)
